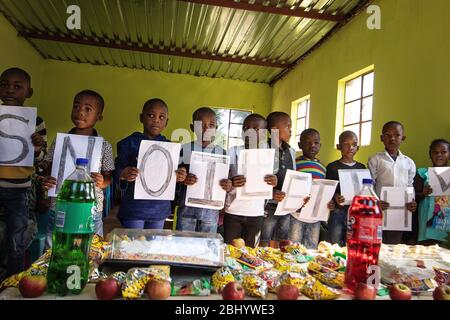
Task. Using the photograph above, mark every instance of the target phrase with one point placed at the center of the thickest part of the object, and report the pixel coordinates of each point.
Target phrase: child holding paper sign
(432, 207)
(15, 181)
(337, 223)
(391, 168)
(204, 124)
(244, 218)
(307, 232)
(275, 227)
(142, 214)
(87, 109)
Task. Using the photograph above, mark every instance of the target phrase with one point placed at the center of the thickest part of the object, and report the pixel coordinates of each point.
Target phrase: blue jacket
(127, 154)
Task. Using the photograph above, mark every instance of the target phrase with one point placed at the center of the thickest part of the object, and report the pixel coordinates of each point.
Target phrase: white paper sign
(255, 164)
(17, 124)
(210, 169)
(397, 217)
(322, 192)
(68, 148)
(297, 186)
(439, 180)
(351, 182)
(157, 162)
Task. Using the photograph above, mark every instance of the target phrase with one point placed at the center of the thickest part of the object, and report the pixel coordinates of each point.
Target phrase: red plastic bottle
(364, 235)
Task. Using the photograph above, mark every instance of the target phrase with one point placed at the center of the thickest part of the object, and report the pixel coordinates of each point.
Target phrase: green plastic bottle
(74, 227)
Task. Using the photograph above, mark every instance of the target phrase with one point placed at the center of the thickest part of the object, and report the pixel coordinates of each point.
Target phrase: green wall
(411, 55)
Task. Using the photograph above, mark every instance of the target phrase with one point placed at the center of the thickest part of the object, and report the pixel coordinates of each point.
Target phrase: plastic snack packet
(254, 286)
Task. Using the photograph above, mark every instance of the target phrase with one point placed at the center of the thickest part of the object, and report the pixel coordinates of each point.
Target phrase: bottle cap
(82, 162)
(367, 181)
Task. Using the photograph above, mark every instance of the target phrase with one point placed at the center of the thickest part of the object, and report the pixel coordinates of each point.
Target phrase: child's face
(154, 118)
(86, 111)
(440, 155)
(348, 147)
(14, 89)
(208, 127)
(284, 127)
(310, 145)
(392, 138)
(260, 129)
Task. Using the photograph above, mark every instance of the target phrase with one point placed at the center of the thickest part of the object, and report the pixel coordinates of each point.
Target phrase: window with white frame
(229, 127)
(300, 116)
(358, 103)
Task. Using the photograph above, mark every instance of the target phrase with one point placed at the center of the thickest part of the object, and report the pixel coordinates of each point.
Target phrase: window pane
(354, 128)
(352, 112)
(235, 142)
(367, 109)
(235, 130)
(223, 116)
(238, 116)
(301, 125)
(301, 111)
(353, 89)
(221, 139)
(366, 133)
(368, 84)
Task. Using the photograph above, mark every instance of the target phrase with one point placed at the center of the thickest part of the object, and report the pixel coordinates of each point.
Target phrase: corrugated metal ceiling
(177, 26)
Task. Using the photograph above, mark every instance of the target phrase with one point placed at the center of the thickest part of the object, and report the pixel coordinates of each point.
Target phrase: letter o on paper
(148, 153)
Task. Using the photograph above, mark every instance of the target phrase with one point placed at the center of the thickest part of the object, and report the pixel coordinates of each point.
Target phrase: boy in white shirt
(391, 168)
(244, 218)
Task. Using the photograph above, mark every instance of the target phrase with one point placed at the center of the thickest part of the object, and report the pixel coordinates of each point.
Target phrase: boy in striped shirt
(305, 232)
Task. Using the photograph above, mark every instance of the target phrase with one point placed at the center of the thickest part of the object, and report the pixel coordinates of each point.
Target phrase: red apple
(365, 292)
(233, 291)
(238, 243)
(107, 289)
(441, 293)
(158, 289)
(287, 292)
(32, 286)
(400, 291)
(283, 244)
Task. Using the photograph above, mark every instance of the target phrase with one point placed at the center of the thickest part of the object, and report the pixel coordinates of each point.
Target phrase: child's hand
(238, 181)
(48, 183)
(129, 174)
(181, 174)
(226, 184)
(278, 195)
(384, 205)
(38, 142)
(427, 190)
(331, 205)
(98, 179)
(271, 180)
(190, 179)
(339, 199)
(411, 206)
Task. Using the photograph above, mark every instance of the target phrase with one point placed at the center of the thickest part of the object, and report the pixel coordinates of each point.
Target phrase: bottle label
(75, 218)
(370, 229)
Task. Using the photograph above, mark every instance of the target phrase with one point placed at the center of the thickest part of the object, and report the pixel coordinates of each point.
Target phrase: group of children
(252, 220)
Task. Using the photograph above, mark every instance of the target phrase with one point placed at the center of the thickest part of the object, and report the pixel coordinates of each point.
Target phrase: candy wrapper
(254, 262)
(294, 278)
(315, 290)
(331, 263)
(272, 278)
(333, 279)
(232, 251)
(199, 287)
(296, 249)
(221, 278)
(254, 286)
(136, 280)
(233, 264)
(442, 276)
(418, 286)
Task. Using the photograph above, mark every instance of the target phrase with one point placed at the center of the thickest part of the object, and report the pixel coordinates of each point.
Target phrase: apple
(283, 244)
(441, 293)
(287, 292)
(32, 286)
(233, 291)
(238, 243)
(107, 289)
(365, 292)
(158, 289)
(400, 291)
